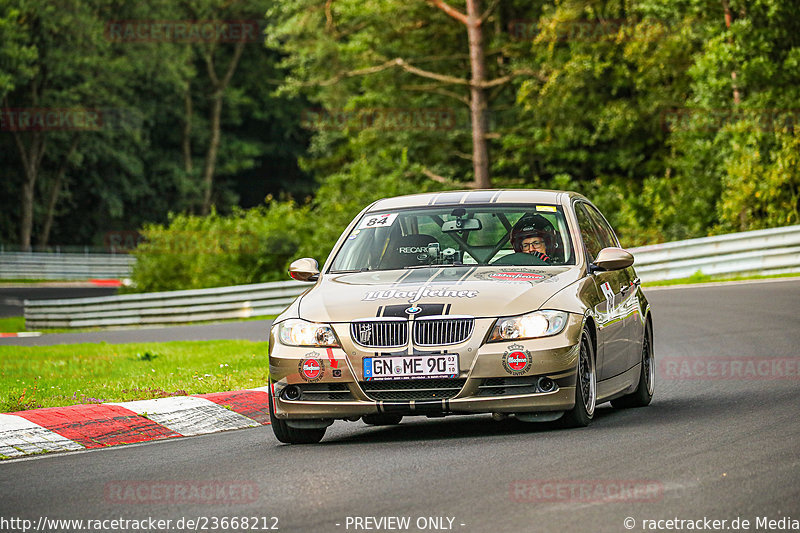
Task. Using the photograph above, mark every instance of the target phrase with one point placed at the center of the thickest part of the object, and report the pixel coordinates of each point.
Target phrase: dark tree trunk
(55, 192)
(478, 105)
(187, 132)
(211, 154)
(473, 20)
(218, 86)
(728, 21)
(31, 157)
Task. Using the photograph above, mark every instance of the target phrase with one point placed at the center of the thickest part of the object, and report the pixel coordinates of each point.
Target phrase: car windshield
(470, 235)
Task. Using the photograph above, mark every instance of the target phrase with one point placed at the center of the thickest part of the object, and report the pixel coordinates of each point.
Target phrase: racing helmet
(533, 225)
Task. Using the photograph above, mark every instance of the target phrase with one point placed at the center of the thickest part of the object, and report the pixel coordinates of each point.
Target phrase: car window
(589, 231)
(428, 236)
(604, 231)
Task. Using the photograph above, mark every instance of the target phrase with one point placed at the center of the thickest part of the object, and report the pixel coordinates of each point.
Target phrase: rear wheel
(647, 376)
(585, 387)
(382, 420)
(289, 435)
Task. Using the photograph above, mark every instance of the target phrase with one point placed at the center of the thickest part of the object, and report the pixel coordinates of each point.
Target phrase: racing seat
(407, 250)
(557, 253)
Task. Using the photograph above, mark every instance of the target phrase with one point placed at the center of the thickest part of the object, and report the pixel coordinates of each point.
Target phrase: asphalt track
(706, 448)
(255, 330)
(12, 297)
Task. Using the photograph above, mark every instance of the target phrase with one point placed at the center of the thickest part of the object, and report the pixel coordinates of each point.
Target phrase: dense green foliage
(195, 251)
(147, 156)
(676, 120)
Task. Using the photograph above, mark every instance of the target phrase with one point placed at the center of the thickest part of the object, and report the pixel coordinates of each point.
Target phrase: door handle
(632, 284)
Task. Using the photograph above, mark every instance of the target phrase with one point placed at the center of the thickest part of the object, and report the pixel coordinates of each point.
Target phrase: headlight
(296, 332)
(529, 326)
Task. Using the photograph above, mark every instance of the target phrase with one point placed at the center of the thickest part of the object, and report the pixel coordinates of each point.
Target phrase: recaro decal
(412, 249)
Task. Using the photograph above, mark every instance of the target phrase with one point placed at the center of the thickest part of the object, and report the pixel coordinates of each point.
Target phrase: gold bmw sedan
(512, 302)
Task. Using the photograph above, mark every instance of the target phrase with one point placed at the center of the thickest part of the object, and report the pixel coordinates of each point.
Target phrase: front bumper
(485, 384)
(561, 400)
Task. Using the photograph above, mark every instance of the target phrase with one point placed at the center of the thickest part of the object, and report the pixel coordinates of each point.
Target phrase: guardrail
(241, 301)
(765, 252)
(770, 251)
(69, 266)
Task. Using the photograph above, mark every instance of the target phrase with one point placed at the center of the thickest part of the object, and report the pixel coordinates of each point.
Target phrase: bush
(257, 245)
(761, 181)
(193, 252)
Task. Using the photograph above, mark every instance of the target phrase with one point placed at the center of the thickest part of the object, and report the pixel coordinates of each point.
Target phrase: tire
(290, 435)
(382, 420)
(585, 388)
(647, 375)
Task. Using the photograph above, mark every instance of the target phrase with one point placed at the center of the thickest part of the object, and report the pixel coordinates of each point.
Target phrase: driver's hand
(544, 257)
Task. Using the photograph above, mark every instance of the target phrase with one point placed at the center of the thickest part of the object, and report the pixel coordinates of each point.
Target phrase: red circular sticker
(311, 369)
(516, 275)
(517, 361)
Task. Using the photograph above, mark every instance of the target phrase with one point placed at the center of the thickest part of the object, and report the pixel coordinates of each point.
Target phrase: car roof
(484, 196)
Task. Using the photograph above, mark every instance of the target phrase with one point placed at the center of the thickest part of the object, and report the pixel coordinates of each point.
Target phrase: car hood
(476, 291)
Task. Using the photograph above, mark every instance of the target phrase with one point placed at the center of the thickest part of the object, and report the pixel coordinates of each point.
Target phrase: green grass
(699, 277)
(12, 324)
(51, 376)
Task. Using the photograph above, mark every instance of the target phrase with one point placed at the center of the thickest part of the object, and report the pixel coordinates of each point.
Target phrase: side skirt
(619, 385)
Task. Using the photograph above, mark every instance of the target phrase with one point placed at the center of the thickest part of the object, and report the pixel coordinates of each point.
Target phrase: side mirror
(611, 259)
(305, 269)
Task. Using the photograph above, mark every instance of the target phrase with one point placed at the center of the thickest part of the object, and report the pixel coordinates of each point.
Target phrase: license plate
(411, 366)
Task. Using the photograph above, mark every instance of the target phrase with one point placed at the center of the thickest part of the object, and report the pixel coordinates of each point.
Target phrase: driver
(533, 234)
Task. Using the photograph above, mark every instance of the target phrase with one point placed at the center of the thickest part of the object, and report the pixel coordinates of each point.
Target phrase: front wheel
(289, 435)
(585, 387)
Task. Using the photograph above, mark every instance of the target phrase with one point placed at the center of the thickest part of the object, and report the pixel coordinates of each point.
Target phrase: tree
(737, 133)
(73, 185)
(48, 85)
(327, 46)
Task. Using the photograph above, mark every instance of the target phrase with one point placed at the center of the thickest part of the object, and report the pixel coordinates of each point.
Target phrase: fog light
(546, 385)
(292, 392)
